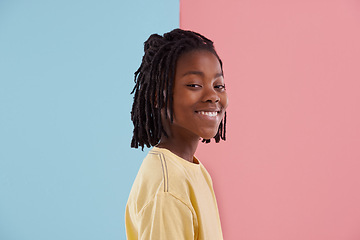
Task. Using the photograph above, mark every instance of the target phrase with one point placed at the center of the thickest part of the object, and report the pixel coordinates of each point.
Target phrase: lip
(209, 110)
(212, 113)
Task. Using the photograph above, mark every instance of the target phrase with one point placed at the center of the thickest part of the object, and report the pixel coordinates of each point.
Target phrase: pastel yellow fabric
(172, 198)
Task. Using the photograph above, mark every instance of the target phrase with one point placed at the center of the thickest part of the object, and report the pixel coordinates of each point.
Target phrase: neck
(185, 150)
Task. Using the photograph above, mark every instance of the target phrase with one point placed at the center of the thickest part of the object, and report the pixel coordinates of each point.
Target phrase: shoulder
(149, 180)
(165, 170)
(161, 172)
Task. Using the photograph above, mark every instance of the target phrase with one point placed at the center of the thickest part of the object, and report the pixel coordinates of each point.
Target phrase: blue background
(66, 73)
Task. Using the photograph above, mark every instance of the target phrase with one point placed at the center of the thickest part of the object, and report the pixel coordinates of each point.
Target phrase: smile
(211, 114)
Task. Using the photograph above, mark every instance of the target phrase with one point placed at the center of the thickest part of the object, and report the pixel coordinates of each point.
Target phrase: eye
(221, 87)
(193, 85)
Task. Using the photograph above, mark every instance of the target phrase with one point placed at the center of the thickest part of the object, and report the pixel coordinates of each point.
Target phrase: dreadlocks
(154, 84)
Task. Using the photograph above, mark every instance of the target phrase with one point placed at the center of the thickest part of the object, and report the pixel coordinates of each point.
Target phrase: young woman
(180, 98)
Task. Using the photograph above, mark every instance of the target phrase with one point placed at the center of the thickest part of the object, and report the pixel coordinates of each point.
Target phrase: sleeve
(167, 217)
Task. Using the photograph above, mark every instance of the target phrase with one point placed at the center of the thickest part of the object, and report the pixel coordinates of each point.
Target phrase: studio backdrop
(289, 168)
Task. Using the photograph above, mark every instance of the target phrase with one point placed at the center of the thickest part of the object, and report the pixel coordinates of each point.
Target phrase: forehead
(199, 60)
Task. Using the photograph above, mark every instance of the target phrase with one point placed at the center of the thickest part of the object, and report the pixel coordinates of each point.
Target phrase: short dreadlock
(154, 84)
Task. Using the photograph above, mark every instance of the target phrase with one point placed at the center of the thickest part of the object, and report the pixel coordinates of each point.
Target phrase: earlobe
(156, 101)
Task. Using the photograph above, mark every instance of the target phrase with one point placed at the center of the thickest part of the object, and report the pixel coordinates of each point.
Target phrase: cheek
(181, 109)
(185, 101)
(224, 100)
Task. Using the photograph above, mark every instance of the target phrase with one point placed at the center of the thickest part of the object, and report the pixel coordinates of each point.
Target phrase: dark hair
(154, 84)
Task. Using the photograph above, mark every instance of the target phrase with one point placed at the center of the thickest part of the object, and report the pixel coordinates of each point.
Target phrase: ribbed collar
(181, 160)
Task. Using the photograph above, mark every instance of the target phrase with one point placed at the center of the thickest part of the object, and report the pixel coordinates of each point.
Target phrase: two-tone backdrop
(289, 169)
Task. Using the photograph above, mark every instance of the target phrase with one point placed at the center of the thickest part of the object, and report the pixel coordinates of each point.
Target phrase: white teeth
(211, 114)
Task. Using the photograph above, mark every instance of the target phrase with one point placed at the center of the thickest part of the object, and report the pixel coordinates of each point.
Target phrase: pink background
(290, 168)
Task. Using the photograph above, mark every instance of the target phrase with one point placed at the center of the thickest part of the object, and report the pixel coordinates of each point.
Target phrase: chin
(208, 135)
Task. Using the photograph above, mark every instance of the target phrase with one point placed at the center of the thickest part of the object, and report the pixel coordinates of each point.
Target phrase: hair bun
(154, 41)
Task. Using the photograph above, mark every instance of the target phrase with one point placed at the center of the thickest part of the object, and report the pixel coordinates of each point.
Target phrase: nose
(210, 95)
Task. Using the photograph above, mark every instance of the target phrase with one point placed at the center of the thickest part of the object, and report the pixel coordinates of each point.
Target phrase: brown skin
(199, 93)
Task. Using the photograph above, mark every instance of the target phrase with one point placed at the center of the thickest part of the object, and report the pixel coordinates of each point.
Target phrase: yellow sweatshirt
(172, 199)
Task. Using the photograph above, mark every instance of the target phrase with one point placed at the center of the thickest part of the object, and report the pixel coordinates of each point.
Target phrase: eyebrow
(202, 74)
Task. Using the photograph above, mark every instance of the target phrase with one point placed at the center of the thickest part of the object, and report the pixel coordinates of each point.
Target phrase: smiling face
(199, 96)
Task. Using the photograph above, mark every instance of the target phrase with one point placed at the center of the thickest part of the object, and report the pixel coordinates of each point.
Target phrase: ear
(156, 103)
(156, 100)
